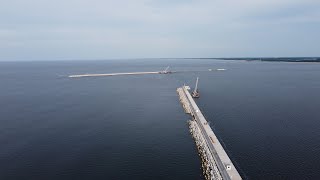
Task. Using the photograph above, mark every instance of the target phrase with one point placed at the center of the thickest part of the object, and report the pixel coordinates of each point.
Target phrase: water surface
(133, 127)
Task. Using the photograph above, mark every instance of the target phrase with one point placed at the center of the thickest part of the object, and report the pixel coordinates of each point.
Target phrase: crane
(195, 93)
(165, 71)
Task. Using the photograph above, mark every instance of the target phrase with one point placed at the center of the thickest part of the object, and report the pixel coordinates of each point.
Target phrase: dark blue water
(133, 127)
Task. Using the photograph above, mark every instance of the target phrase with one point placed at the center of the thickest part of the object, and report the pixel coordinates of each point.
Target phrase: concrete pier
(166, 71)
(215, 162)
(113, 74)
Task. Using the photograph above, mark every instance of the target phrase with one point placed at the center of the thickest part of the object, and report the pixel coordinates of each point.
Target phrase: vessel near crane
(195, 93)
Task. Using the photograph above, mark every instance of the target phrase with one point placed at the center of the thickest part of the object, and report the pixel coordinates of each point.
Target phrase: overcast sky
(104, 29)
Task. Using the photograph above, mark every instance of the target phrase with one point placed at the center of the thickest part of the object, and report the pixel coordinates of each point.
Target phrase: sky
(112, 29)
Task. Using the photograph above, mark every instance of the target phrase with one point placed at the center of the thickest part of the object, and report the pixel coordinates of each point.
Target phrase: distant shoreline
(282, 59)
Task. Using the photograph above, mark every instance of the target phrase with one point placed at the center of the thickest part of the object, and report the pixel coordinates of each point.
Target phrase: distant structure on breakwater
(216, 164)
(165, 71)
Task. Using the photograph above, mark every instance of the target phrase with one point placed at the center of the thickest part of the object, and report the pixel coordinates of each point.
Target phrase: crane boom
(195, 92)
(166, 70)
(196, 88)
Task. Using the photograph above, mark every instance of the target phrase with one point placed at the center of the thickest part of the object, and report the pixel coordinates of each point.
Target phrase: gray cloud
(83, 29)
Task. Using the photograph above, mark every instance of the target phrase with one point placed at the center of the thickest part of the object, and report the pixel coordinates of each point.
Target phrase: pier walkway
(215, 156)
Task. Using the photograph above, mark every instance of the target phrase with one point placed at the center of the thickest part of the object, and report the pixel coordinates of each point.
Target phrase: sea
(266, 115)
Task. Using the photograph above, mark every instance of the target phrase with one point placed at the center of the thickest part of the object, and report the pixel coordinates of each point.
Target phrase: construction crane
(195, 93)
(165, 71)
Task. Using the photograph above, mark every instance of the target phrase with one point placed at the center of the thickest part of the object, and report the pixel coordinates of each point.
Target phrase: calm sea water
(133, 127)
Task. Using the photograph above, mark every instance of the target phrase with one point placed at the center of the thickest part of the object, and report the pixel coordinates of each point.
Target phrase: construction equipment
(166, 71)
(195, 93)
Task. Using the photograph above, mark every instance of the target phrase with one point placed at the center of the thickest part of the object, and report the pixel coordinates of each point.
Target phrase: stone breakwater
(216, 164)
(209, 167)
(184, 101)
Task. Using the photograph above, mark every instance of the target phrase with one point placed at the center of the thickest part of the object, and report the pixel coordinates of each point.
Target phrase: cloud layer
(102, 29)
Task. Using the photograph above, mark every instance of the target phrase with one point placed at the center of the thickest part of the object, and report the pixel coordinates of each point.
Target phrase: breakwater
(216, 164)
(113, 74)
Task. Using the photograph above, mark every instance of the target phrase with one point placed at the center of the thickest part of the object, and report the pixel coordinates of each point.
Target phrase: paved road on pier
(221, 162)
